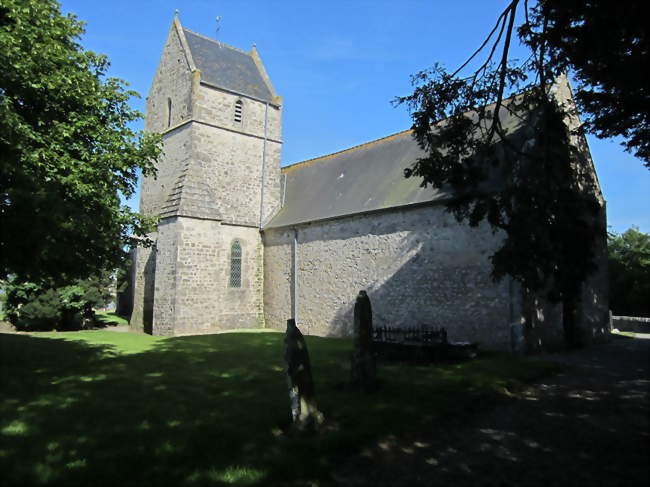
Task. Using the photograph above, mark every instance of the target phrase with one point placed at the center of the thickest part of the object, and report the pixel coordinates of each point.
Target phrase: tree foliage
(67, 151)
(629, 273)
(520, 162)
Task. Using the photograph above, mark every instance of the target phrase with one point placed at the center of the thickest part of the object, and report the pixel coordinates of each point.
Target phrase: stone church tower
(218, 182)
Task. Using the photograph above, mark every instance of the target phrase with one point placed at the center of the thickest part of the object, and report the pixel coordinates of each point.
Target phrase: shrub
(38, 307)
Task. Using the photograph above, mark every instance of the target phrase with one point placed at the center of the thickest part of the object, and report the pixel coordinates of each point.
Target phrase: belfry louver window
(235, 264)
(239, 106)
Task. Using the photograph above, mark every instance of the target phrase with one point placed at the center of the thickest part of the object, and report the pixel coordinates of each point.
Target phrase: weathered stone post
(305, 415)
(364, 371)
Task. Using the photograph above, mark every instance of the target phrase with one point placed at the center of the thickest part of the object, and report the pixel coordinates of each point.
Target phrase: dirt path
(587, 426)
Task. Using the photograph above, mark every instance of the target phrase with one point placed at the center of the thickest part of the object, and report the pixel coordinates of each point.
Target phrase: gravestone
(364, 371)
(305, 415)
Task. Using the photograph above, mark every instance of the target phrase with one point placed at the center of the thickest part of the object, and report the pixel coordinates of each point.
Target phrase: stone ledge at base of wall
(631, 323)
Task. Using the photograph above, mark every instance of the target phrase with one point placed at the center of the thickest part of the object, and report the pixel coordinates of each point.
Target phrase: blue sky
(337, 65)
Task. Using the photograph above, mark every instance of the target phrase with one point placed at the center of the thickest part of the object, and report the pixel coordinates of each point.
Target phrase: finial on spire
(254, 45)
(176, 12)
(218, 21)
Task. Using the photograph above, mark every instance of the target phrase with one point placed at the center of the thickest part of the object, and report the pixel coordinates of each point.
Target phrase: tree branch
(500, 20)
(496, 122)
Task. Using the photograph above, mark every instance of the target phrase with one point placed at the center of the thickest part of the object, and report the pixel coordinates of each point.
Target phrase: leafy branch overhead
(603, 43)
(67, 149)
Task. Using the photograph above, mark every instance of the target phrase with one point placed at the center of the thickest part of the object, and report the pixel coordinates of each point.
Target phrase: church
(242, 243)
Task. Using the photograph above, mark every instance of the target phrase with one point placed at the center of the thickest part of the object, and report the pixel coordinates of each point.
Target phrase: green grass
(109, 343)
(109, 318)
(107, 408)
(629, 334)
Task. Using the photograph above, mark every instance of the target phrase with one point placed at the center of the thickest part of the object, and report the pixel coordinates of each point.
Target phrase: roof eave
(406, 206)
(239, 93)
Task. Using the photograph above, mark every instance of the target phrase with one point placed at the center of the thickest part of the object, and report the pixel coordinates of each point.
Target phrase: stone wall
(192, 293)
(143, 274)
(544, 329)
(543, 325)
(594, 309)
(544, 320)
(217, 107)
(173, 80)
(631, 323)
(177, 152)
(418, 265)
(233, 153)
(166, 278)
(232, 164)
(243, 307)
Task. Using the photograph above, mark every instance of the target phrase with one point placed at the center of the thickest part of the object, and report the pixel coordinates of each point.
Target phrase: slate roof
(191, 195)
(227, 67)
(365, 178)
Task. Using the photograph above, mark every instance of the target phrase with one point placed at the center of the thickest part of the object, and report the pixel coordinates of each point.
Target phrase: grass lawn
(108, 408)
(629, 334)
(109, 318)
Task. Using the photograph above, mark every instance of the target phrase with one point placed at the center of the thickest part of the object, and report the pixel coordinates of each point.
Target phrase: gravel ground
(6, 327)
(586, 426)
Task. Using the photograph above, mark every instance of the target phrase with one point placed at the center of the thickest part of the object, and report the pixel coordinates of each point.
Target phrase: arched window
(235, 264)
(169, 112)
(239, 106)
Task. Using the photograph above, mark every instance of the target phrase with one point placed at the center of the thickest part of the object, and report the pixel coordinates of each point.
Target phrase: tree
(520, 162)
(67, 151)
(629, 273)
(605, 44)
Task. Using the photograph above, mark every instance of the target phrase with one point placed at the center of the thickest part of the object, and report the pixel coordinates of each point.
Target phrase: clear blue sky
(337, 64)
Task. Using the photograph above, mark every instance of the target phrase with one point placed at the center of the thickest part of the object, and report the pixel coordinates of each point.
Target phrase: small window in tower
(238, 111)
(235, 264)
(169, 112)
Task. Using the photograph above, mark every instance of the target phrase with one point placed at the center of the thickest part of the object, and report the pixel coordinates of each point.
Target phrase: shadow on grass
(197, 410)
(105, 319)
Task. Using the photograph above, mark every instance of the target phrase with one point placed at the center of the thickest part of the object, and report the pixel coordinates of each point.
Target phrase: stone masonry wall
(166, 259)
(543, 328)
(631, 323)
(143, 274)
(242, 307)
(177, 147)
(173, 80)
(418, 265)
(594, 311)
(217, 107)
(232, 154)
(192, 270)
(544, 319)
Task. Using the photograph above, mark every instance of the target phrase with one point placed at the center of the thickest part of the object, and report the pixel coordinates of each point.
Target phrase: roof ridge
(219, 43)
(354, 147)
